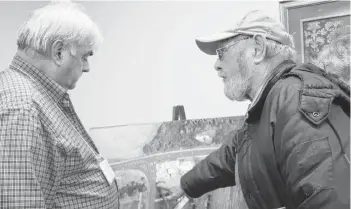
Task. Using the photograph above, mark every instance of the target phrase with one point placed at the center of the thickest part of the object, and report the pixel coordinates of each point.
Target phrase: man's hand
(171, 187)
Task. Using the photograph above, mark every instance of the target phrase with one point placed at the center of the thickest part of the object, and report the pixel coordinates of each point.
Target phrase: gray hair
(337, 54)
(276, 49)
(64, 21)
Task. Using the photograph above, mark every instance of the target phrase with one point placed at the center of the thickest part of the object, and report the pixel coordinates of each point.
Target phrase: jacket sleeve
(27, 163)
(215, 171)
(315, 173)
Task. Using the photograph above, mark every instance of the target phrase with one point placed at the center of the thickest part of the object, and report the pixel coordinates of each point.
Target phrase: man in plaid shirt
(47, 159)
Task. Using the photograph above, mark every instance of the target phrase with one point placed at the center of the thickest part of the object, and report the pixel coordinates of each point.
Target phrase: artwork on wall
(316, 34)
(311, 24)
(143, 154)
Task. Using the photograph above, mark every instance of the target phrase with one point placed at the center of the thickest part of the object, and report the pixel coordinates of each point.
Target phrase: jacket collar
(255, 107)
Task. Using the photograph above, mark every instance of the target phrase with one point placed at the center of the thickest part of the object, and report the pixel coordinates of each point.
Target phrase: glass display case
(143, 154)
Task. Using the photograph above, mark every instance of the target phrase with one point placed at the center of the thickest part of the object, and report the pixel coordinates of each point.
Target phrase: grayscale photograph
(175, 104)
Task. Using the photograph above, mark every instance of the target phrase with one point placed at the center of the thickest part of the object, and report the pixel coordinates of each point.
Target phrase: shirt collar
(53, 89)
(258, 95)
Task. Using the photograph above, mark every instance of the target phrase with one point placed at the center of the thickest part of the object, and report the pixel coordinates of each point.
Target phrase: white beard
(236, 88)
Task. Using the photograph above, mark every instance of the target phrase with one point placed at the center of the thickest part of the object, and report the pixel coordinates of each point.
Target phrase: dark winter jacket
(293, 149)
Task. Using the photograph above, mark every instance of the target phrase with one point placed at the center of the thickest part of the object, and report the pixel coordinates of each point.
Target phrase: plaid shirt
(47, 159)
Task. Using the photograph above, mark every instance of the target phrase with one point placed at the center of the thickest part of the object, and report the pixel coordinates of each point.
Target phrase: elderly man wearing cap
(293, 149)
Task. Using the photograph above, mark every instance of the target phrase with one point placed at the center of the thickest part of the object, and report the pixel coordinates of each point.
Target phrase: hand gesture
(170, 189)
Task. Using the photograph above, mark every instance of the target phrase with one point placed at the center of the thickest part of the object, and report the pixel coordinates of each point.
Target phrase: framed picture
(311, 23)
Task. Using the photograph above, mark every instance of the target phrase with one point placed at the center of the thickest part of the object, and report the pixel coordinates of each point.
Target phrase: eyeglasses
(221, 51)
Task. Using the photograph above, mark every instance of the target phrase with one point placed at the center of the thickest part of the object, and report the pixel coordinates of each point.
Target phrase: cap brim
(209, 44)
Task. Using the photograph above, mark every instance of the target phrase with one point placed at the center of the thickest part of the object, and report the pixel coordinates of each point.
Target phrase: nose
(86, 67)
(217, 66)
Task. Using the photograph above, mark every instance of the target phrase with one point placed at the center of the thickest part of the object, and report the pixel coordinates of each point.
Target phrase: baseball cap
(254, 22)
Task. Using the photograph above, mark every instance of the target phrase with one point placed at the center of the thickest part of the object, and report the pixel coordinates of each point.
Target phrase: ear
(56, 51)
(260, 48)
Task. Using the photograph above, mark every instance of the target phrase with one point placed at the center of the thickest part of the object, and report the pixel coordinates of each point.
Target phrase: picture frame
(311, 23)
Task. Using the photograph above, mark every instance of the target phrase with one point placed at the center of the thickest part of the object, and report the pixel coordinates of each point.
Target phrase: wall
(149, 61)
